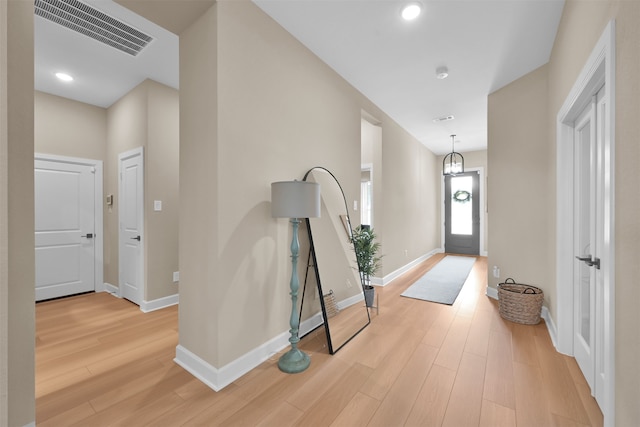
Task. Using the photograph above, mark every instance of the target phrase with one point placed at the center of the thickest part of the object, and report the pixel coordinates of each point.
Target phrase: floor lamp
(294, 200)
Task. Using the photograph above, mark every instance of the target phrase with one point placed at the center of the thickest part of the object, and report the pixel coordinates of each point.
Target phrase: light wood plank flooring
(100, 361)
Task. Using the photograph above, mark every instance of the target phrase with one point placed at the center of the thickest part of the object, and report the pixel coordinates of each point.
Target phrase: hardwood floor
(100, 361)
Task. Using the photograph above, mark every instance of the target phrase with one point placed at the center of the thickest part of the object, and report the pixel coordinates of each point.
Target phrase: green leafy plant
(366, 248)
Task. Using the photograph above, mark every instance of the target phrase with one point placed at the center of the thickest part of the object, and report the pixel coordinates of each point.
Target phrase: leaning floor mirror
(333, 260)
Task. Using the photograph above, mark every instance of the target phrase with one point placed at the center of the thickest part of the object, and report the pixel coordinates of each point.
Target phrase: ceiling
(485, 44)
(102, 74)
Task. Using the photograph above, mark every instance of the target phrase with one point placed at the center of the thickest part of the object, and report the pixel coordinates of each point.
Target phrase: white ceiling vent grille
(443, 119)
(86, 20)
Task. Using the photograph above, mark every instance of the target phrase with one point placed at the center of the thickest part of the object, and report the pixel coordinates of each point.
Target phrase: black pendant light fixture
(453, 163)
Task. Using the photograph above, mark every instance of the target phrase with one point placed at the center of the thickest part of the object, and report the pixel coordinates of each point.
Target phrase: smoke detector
(442, 73)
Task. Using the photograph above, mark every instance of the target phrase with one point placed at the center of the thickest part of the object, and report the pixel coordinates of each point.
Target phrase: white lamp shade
(295, 199)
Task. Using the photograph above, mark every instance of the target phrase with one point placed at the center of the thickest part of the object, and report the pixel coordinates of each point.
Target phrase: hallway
(100, 361)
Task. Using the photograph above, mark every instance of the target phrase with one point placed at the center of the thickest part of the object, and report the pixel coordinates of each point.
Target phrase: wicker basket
(520, 303)
(330, 304)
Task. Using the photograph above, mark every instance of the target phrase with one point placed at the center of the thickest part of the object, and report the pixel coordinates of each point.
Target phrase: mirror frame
(346, 221)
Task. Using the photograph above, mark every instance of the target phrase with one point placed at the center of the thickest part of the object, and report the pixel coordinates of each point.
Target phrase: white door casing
(588, 232)
(600, 237)
(599, 71)
(68, 226)
(131, 225)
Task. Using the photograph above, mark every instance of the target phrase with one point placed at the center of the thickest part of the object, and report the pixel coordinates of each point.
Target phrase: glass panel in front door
(461, 212)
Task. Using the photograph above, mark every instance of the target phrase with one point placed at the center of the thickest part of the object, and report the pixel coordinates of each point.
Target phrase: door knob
(88, 236)
(136, 238)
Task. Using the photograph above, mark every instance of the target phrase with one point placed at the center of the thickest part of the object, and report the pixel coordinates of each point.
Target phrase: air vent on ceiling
(86, 20)
(443, 119)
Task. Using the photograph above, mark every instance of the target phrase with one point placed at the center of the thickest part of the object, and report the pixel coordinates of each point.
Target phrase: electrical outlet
(176, 276)
(496, 272)
(406, 253)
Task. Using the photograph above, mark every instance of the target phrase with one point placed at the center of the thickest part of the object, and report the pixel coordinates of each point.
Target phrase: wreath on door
(461, 196)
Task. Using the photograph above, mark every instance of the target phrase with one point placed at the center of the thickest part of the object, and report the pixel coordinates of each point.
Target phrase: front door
(462, 213)
(588, 243)
(131, 216)
(65, 228)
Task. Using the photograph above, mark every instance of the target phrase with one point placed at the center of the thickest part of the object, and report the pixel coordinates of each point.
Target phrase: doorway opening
(463, 212)
(366, 195)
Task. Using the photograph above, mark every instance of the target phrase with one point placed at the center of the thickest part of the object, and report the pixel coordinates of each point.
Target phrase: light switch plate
(157, 205)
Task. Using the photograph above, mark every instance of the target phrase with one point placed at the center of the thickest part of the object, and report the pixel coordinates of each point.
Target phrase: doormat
(443, 282)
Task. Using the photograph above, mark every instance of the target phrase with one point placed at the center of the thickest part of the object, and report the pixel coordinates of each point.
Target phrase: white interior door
(588, 243)
(131, 218)
(65, 228)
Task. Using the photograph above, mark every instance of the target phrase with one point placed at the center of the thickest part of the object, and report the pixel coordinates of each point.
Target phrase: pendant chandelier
(453, 163)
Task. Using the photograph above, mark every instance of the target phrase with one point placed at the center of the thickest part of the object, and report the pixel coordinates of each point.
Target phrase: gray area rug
(443, 282)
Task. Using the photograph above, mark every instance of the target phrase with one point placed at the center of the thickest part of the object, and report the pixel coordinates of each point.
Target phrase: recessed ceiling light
(64, 77)
(411, 11)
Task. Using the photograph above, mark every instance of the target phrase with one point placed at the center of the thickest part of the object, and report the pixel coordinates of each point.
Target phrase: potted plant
(369, 261)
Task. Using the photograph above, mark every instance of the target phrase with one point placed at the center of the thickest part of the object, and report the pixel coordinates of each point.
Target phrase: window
(366, 198)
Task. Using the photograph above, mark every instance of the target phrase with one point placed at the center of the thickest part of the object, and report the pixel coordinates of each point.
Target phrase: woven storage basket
(520, 303)
(330, 304)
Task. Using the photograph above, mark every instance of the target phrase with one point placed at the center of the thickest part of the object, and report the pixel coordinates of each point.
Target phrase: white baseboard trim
(348, 302)
(309, 325)
(146, 306)
(551, 326)
(217, 379)
(113, 290)
(197, 367)
(399, 272)
(545, 314)
(100, 287)
(159, 303)
(492, 293)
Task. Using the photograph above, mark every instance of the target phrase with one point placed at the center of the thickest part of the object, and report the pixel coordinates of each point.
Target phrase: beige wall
(518, 182)
(126, 130)
(408, 225)
(513, 108)
(279, 112)
(627, 219)
(162, 180)
(147, 117)
(69, 128)
(17, 272)
(198, 218)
